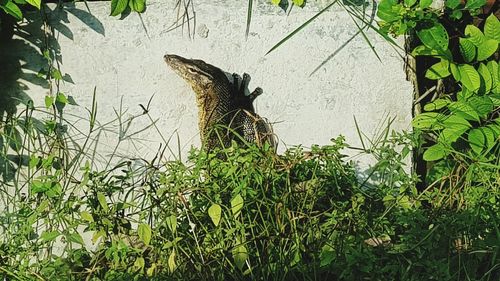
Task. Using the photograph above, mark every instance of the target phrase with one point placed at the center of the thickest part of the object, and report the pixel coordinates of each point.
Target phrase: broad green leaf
(215, 212)
(423, 50)
(486, 80)
(139, 263)
(236, 205)
(151, 270)
(425, 3)
(438, 70)
(118, 6)
(463, 110)
(240, 255)
(490, 135)
(450, 134)
(474, 4)
(492, 28)
(43, 205)
(456, 14)
(435, 152)
(48, 236)
(56, 74)
(486, 49)
(276, 2)
(102, 201)
(13, 10)
(474, 35)
(35, 3)
(144, 232)
(469, 77)
(137, 5)
(49, 101)
(298, 2)
(495, 77)
(456, 121)
(477, 140)
(467, 49)
(481, 104)
(172, 222)
(171, 262)
(388, 10)
(75, 237)
(435, 37)
(327, 255)
(452, 4)
(437, 104)
(455, 71)
(427, 120)
(495, 99)
(86, 216)
(464, 94)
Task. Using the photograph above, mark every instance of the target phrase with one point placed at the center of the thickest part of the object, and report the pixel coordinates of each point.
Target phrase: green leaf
(452, 4)
(437, 104)
(172, 222)
(450, 134)
(492, 28)
(215, 212)
(86, 216)
(486, 49)
(118, 6)
(475, 35)
(463, 110)
(477, 140)
(455, 71)
(102, 201)
(388, 10)
(56, 74)
(144, 232)
(435, 37)
(48, 236)
(467, 49)
(425, 3)
(435, 152)
(35, 3)
(171, 262)
(137, 5)
(474, 4)
(438, 70)
(491, 136)
(327, 255)
(298, 2)
(423, 50)
(13, 10)
(276, 2)
(427, 120)
(76, 238)
(469, 77)
(456, 14)
(139, 263)
(240, 255)
(49, 101)
(409, 3)
(482, 105)
(495, 99)
(236, 205)
(495, 77)
(486, 79)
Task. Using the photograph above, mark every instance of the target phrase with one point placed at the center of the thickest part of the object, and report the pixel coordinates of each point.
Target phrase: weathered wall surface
(123, 60)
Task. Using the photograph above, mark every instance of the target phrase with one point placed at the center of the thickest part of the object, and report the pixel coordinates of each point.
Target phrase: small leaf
(452, 4)
(467, 49)
(49, 101)
(463, 110)
(474, 4)
(486, 79)
(48, 236)
(236, 205)
(435, 37)
(438, 70)
(151, 270)
(495, 77)
(486, 49)
(118, 6)
(35, 3)
(86, 216)
(215, 212)
(409, 3)
(139, 263)
(327, 255)
(492, 28)
(455, 71)
(469, 77)
(171, 262)
(138, 5)
(102, 201)
(477, 140)
(435, 152)
(475, 35)
(425, 3)
(144, 232)
(427, 120)
(481, 104)
(298, 2)
(388, 10)
(56, 74)
(172, 223)
(422, 50)
(437, 104)
(240, 255)
(75, 237)
(12, 9)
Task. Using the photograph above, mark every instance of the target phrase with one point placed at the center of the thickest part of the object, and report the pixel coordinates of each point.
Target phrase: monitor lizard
(222, 102)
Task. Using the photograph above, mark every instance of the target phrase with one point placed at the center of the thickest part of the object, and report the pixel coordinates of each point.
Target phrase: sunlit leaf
(486, 49)
(236, 205)
(467, 49)
(434, 37)
(102, 201)
(435, 152)
(492, 28)
(215, 212)
(474, 35)
(469, 77)
(48, 236)
(144, 232)
(118, 6)
(438, 70)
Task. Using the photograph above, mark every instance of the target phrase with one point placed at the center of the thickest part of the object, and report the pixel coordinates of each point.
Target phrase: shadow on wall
(29, 50)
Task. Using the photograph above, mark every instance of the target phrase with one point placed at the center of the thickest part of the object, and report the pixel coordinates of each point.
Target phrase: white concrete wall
(124, 62)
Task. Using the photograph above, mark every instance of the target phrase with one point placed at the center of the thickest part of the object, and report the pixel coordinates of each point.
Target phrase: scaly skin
(221, 102)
